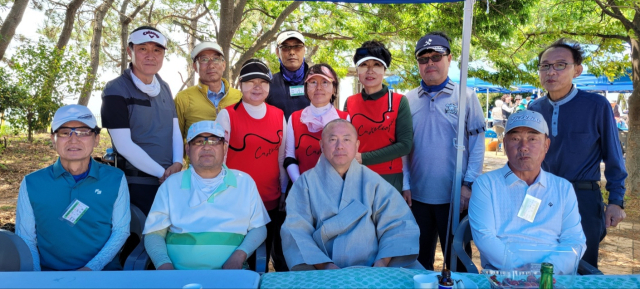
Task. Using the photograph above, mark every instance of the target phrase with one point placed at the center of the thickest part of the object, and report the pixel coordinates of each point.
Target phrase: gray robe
(350, 222)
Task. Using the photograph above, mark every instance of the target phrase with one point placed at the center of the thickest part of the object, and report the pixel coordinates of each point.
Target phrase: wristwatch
(617, 202)
(467, 184)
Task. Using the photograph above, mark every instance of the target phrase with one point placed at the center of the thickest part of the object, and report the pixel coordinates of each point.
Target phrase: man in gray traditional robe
(342, 214)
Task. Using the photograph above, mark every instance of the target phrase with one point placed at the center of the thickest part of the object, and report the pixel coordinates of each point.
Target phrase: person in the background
(583, 134)
(501, 195)
(431, 166)
(74, 214)
(212, 93)
(382, 118)
(139, 113)
(507, 106)
(217, 209)
(496, 114)
(304, 129)
(257, 147)
(287, 87)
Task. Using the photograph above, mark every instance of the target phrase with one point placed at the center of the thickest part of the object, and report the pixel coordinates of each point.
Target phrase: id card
(529, 208)
(75, 211)
(296, 91)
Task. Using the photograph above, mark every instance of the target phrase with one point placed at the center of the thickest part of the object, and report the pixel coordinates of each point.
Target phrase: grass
(7, 208)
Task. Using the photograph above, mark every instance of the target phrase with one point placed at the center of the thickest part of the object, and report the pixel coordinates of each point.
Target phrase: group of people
(277, 162)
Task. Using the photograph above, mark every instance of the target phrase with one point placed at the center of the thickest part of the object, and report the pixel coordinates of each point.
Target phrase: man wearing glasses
(287, 86)
(212, 93)
(140, 115)
(430, 167)
(208, 216)
(74, 214)
(583, 133)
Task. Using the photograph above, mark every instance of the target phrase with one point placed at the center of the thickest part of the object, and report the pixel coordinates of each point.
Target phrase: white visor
(371, 58)
(148, 35)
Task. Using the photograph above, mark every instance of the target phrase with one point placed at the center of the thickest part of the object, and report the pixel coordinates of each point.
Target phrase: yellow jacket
(192, 104)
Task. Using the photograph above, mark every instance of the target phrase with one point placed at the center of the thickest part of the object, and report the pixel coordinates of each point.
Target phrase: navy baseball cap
(434, 42)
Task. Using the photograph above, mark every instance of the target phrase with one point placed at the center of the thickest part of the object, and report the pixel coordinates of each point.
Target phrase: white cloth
(493, 216)
(317, 117)
(258, 112)
(152, 89)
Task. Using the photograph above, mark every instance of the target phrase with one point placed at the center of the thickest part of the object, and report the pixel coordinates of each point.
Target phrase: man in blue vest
(74, 214)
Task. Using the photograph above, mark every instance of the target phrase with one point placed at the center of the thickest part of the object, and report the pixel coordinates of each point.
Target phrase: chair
(463, 236)
(136, 226)
(14, 253)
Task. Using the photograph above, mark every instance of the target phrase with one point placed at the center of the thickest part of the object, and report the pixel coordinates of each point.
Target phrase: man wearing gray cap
(212, 93)
(522, 203)
(206, 202)
(74, 214)
(287, 86)
(140, 115)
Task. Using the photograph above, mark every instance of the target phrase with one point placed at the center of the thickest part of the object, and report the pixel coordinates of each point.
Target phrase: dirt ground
(619, 252)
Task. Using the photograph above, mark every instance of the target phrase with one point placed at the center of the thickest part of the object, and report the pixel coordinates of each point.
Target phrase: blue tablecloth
(403, 278)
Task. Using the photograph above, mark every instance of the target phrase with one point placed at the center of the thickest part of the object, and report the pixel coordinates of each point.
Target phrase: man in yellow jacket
(212, 93)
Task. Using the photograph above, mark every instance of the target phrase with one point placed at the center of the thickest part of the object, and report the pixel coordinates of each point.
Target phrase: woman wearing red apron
(382, 118)
(305, 126)
(256, 146)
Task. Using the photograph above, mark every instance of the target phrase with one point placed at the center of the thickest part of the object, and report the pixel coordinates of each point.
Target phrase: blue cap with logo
(203, 126)
(73, 112)
(527, 118)
(434, 42)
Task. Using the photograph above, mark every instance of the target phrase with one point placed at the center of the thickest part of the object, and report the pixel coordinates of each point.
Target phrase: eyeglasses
(210, 140)
(434, 58)
(252, 85)
(363, 68)
(214, 60)
(558, 66)
(287, 48)
(65, 132)
(314, 83)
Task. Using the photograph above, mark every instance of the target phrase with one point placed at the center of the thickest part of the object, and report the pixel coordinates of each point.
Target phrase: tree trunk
(69, 19)
(633, 140)
(193, 29)
(125, 20)
(10, 24)
(100, 13)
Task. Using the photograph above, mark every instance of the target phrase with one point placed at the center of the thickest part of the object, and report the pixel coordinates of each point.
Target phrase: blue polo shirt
(583, 133)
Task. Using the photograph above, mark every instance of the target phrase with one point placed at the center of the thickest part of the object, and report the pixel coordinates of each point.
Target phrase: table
(131, 279)
(403, 278)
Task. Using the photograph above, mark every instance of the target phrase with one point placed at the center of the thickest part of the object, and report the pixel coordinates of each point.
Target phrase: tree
(10, 24)
(35, 107)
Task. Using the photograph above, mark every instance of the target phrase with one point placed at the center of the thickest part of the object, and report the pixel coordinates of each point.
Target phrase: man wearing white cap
(209, 216)
(522, 203)
(212, 93)
(74, 214)
(287, 86)
(140, 115)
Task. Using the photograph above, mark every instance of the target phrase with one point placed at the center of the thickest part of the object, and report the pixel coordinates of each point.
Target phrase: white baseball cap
(528, 118)
(207, 45)
(284, 36)
(203, 126)
(147, 35)
(73, 112)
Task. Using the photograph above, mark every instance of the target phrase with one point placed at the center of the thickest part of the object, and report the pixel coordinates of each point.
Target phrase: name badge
(296, 91)
(75, 211)
(529, 208)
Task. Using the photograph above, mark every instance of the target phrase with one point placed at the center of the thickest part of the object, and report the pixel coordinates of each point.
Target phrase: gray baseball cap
(528, 118)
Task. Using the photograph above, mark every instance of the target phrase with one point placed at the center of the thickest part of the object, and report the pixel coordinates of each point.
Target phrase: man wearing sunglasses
(583, 133)
(74, 214)
(429, 169)
(208, 216)
(287, 86)
(212, 93)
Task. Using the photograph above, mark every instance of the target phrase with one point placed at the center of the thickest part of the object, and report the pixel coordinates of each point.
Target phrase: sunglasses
(434, 58)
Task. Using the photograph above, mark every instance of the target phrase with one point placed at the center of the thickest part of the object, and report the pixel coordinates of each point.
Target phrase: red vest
(253, 149)
(375, 122)
(307, 143)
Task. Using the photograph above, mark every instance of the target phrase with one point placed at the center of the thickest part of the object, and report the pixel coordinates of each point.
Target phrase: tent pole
(462, 109)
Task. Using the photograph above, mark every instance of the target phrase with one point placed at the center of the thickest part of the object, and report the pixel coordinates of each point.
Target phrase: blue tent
(601, 83)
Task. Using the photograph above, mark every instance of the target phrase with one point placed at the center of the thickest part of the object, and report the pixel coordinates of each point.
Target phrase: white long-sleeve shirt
(493, 216)
(258, 112)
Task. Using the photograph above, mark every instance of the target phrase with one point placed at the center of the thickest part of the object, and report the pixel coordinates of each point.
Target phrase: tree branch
(327, 36)
(606, 36)
(185, 28)
(616, 13)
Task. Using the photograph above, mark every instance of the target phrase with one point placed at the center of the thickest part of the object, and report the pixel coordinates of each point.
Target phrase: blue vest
(51, 190)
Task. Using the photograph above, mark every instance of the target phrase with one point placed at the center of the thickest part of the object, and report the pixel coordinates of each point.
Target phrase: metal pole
(487, 103)
(462, 109)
